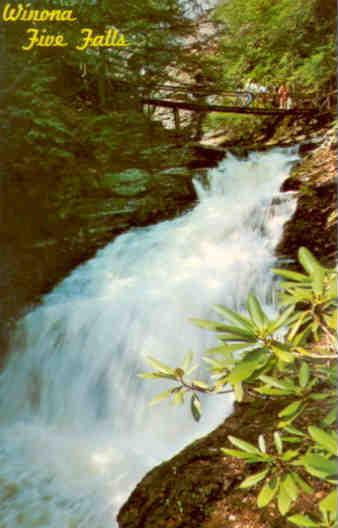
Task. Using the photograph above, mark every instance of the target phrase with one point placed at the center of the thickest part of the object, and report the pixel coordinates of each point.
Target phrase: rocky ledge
(198, 488)
(314, 222)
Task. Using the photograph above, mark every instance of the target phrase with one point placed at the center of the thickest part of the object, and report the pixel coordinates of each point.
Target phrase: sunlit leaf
(284, 500)
(226, 350)
(290, 454)
(242, 444)
(289, 410)
(302, 483)
(245, 368)
(251, 481)
(319, 466)
(282, 353)
(156, 364)
(324, 439)
(261, 443)
(308, 261)
(282, 320)
(303, 520)
(236, 331)
(279, 384)
(291, 487)
(234, 317)
(288, 274)
(239, 392)
(256, 312)
(236, 338)
(268, 492)
(270, 391)
(278, 442)
(187, 361)
(249, 457)
(329, 504)
(331, 417)
(291, 429)
(304, 374)
(318, 281)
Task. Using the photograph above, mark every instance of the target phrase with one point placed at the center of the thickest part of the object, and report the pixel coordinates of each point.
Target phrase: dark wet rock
(291, 184)
(204, 156)
(308, 146)
(185, 491)
(129, 183)
(198, 488)
(314, 223)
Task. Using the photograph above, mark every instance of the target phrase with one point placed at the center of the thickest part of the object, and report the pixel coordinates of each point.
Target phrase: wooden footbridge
(203, 99)
(227, 109)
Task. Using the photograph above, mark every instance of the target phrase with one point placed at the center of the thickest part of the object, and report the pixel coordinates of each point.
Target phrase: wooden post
(177, 119)
(199, 126)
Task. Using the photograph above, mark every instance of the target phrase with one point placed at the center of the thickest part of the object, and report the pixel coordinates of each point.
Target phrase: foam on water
(77, 432)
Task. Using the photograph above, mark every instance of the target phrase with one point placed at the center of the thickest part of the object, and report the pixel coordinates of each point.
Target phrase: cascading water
(77, 431)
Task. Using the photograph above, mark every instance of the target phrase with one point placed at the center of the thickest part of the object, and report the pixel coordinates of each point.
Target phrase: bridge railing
(207, 93)
(211, 95)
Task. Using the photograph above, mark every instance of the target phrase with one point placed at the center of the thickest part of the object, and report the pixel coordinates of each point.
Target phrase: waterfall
(77, 431)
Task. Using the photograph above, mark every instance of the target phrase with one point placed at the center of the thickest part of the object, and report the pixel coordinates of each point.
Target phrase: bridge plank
(202, 107)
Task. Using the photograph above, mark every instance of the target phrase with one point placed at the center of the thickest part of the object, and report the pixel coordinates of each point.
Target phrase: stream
(77, 431)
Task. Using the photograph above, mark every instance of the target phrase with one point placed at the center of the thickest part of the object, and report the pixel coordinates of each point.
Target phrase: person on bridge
(289, 103)
(283, 93)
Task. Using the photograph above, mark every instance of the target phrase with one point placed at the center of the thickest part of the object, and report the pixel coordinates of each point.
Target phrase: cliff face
(198, 488)
(314, 223)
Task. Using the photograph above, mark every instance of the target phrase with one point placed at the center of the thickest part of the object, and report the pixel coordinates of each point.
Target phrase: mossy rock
(180, 172)
(128, 183)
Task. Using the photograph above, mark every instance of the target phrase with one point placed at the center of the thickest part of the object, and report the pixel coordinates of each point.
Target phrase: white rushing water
(77, 432)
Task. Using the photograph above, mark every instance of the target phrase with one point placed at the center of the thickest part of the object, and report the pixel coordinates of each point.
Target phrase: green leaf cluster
(290, 357)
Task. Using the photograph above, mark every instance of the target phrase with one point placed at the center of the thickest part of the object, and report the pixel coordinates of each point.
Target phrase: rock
(307, 146)
(175, 171)
(214, 140)
(271, 143)
(131, 182)
(206, 156)
(310, 226)
(198, 488)
(291, 184)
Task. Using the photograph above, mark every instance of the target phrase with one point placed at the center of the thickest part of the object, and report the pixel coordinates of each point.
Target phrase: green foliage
(282, 41)
(290, 358)
(241, 128)
(65, 111)
(36, 123)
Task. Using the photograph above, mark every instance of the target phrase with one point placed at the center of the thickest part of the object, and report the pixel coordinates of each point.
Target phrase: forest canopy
(279, 41)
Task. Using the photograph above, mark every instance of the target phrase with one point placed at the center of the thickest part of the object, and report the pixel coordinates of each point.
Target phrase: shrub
(292, 358)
